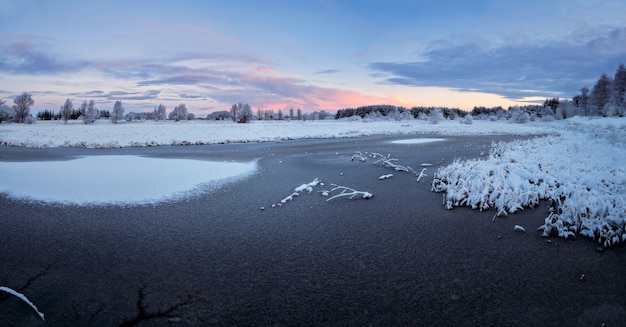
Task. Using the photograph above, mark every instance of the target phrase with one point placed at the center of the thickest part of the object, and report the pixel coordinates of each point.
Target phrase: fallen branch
(24, 299)
(348, 192)
(387, 161)
(308, 187)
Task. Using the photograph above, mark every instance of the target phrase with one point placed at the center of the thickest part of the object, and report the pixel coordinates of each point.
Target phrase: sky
(309, 55)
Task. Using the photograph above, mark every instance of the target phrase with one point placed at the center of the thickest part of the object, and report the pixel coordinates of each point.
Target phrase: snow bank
(104, 134)
(581, 171)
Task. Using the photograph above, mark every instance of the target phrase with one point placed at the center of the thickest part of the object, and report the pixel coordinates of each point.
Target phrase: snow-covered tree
(600, 95)
(618, 92)
(246, 114)
(23, 102)
(234, 111)
(66, 110)
(118, 112)
(241, 112)
(90, 113)
(581, 102)
(179, 113)
(6, 112)
(159, 113)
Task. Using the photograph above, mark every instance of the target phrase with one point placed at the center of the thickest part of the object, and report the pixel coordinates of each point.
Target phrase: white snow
(119, 179)
(104, 134)
(578, 163)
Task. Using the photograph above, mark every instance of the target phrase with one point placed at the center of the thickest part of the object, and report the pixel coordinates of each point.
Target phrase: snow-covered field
(104, 134)
(578, 163)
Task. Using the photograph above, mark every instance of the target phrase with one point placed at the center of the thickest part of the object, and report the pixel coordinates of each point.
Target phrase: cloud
(190, 96)
(327, 71)
(119, 95)
(27, 58)
(513, 70)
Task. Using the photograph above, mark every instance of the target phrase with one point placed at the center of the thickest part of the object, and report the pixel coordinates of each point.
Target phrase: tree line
(606, 98)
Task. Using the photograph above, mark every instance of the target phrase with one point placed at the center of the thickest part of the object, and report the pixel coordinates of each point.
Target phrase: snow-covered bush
(467, 119)
(435, 116)
(519, 116)
(29, 119)
(588, 192)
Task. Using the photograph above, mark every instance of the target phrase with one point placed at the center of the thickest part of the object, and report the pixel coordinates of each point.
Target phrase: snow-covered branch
(347, 192)
(308, 187)
(421, 174)
(387, 161)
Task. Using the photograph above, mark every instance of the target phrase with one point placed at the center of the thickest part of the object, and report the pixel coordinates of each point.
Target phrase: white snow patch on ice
(418, 141)
(118, 179)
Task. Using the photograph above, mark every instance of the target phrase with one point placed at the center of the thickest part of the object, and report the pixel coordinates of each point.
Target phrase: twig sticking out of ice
(24, 299)
(421, 175)
(348, 192)
(385, 176)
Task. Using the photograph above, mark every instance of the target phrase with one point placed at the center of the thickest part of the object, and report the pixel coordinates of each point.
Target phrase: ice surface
(418, 141)
(579, 163)
(116, 178)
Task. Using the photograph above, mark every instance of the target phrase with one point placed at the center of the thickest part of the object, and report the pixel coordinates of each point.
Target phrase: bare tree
(118, 112)
(66, 110)
(23, 102)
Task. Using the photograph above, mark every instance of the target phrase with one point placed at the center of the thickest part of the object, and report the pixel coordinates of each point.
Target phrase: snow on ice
(94, 179)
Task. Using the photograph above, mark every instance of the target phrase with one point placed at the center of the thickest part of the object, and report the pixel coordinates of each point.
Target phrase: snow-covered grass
(577, 163)
(581, 171)
(104, 134)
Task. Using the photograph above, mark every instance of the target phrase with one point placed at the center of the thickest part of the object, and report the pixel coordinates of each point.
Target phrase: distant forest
(605, 99)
